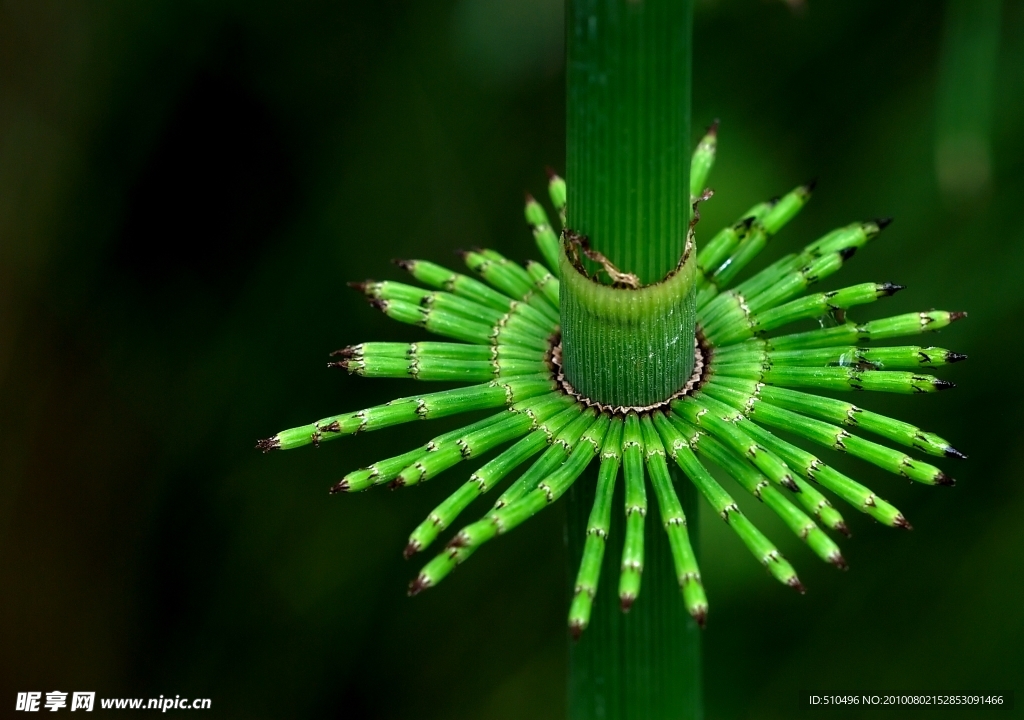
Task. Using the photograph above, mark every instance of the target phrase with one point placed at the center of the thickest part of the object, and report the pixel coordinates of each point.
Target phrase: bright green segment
(554, 456)
(543, 234)
(416, 407)
(548, 488)
(557, 191)
(447, 449)
(832, 410)
(673, 519)
(834, 378)
(850, 333)
(598, 527)
(828, 435)
(813, 469)
(440, 277)
(750, 321)
(762, 549)
(906, 357)
(844, 241)
(636, 510)
(749, 241)
(760, 487)
(736, 440)
(510, 278)
(443, 369)
(715, 251)
(543, 280)
(702, 162)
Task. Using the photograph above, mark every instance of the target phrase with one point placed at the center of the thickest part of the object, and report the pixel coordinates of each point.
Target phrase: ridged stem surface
(628, 164)
(628, 130)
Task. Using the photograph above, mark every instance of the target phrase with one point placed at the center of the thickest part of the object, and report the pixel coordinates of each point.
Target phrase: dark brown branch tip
(901, 522)
(359, 286)
(339, 487)
(808, 187)
(529, 198)
(954, 316)
(378, 304)
(404, 264)
(892, 288)
(626, 602)
(411, 549)
(847, 253)
(700, 614)
(883, 222)
(418, 585)
(839, 561)
(344, 352)
(842, 529)
(576, 629)
(944, 479)
(942, 384)
(269, 444)
(713, 129)
(954, 453)
(794, 582)
(953, 357)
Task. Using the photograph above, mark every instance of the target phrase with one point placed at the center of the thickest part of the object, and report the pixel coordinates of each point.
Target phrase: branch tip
(420, 583)
(269, 444)
(958, 315)
(954, 453)
(576, 628)
(839, 561)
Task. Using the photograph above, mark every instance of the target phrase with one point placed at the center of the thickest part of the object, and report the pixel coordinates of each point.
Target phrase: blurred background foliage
(184, 189)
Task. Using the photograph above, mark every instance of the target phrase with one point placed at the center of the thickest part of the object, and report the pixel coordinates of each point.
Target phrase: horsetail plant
(644, 360)
(740, 388)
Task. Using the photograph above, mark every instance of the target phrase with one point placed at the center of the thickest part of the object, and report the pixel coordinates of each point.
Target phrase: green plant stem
(628, 130)
(645, 663)
(628, 167)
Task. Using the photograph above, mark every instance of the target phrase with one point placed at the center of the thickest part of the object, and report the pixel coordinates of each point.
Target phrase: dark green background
(184, 189)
